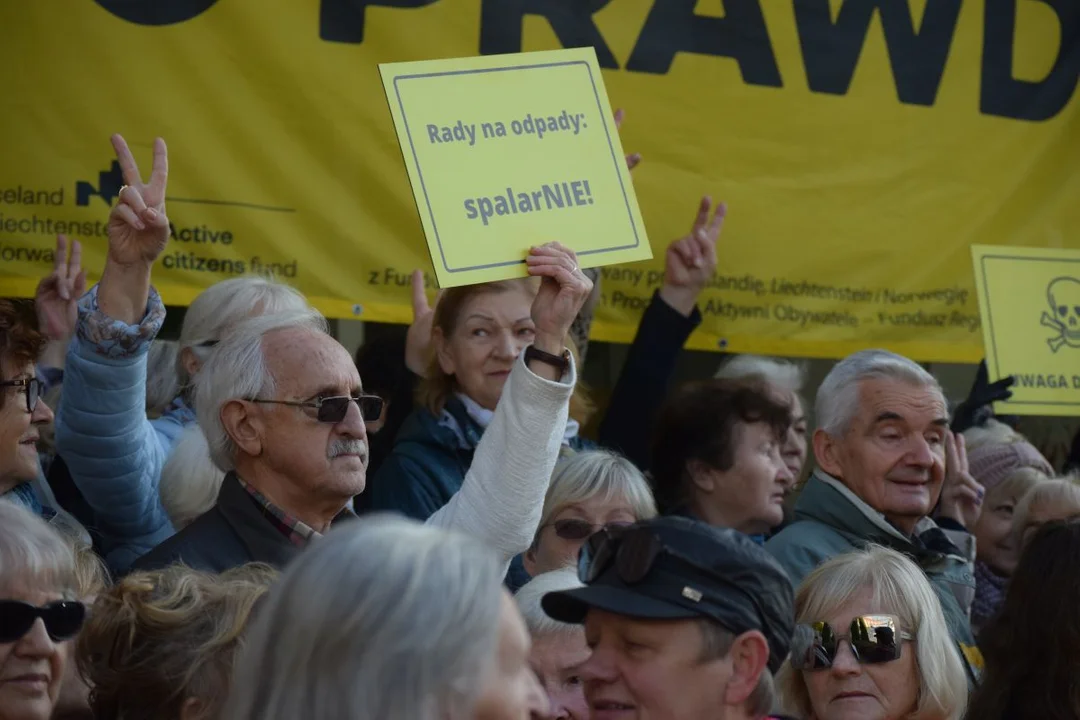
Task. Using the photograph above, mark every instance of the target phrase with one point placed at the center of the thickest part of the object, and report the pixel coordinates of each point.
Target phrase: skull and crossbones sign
(1063, 294)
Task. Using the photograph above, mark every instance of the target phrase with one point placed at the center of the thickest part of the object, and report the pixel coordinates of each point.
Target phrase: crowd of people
(250, 523)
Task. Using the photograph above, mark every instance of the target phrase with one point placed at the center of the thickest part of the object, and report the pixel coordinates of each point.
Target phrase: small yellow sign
(509, 151)
(1030, 304)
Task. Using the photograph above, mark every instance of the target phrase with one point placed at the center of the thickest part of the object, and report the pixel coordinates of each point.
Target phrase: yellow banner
(1030, 299)
(861, 145)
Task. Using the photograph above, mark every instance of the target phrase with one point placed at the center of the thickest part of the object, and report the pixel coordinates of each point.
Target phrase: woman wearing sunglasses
(38, 613)
(589, 490)
(871, 643)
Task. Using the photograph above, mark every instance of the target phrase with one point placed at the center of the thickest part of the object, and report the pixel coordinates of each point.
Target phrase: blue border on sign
(420, 174)
(990, 319)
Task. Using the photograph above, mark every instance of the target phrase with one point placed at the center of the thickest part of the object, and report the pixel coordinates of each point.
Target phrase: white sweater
(502, 496)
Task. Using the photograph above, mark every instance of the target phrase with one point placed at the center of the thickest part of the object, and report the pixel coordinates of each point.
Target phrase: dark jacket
(232, 533)
(643, 383)
(831, 521)
(429, 463)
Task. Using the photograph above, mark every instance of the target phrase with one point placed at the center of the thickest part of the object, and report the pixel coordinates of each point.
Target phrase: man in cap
(685, 622)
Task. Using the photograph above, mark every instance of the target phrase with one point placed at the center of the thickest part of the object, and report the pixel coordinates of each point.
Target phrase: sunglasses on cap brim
(63, 619)
(632, 550)
(874, 639)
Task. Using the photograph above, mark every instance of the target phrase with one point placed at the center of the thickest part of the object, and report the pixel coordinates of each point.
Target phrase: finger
(131, 196)
(128, 167)
(79, 286)
(419, 298)
(619, 115)
(961, 453)
(553, 249)
(128, 216)
(159, 174)
(75, 264)
(633, 160)
(153, 218)
(717, 223)
(60, 261)
(682, 251)
(950, 452)
(562, 261)
(703, 212)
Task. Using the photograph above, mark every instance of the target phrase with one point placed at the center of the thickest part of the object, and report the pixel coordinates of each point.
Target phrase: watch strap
(562, 362)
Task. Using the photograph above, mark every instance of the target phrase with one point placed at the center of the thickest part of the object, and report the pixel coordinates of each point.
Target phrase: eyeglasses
(873, 639)
(578, 529)
(333, 409)
(62, 619)
(32, 388)
(633, 551)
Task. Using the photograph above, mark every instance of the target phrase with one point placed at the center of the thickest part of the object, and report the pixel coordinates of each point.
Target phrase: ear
(244, 426)
(529, 560)
(702, 477)
(749, 657)
(827, 453)
(192, 709)
(442, 351)
(190, 361)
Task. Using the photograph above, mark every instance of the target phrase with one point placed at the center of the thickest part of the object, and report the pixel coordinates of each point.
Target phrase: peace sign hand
(691, 260)
(138, 227)
(58, 293)
(961, 495)
(418, 337)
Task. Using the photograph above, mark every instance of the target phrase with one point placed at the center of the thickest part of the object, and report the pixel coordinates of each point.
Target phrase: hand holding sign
(563, 290)
(691, 260)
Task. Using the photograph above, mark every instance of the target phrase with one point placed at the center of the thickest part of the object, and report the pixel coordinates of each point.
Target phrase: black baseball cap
(704, 572)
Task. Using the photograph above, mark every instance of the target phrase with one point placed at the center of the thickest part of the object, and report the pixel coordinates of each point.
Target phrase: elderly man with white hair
(113, 452)
(885, 456)
(284, 412)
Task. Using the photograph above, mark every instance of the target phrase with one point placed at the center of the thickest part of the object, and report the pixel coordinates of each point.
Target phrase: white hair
(782, 374)
(383, 618)
(189, 480)
(33, 555)
(897, 586)
(529, 598)
(162, 381)
(224, 304)
(838, 397)
(237, 369)
(597, 473)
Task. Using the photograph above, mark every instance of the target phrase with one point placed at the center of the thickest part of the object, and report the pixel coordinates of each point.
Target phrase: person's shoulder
(201, 545)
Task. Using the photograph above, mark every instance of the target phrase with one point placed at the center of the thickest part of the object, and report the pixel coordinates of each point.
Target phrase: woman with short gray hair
(38, 613)
(589, 490)
(386, 619)
(558, 649)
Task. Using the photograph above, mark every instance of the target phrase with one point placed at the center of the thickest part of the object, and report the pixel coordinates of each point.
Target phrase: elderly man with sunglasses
(284, 413)
(684, 621)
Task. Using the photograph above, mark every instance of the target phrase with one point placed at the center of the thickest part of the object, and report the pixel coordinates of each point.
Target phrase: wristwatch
(562, 362)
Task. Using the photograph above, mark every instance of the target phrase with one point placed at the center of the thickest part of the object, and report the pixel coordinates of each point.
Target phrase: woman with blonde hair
(589, 491)
(159, 645)
(1050, 501)
(871, 643)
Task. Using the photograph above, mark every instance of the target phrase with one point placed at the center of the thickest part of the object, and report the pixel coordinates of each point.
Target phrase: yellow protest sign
(861, 147)
(1030, 303)
(510, 151)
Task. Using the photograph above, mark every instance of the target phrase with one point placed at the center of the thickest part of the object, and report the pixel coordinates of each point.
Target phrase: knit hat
(992, 463)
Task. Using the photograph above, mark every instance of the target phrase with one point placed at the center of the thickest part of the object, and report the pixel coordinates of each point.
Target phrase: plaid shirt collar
(296, 530)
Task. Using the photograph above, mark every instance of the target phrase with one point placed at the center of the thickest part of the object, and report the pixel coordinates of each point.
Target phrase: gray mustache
(347, 447)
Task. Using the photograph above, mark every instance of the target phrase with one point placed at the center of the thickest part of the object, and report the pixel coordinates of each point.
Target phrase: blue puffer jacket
(114, 453)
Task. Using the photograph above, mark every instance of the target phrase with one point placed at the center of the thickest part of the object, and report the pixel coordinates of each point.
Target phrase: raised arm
(112, 451)
(502, 496)
(667, 323)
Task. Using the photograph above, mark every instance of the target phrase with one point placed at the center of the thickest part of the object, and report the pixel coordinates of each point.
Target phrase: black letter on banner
(1005, 96)
(156, 12)
(831, 50)
(500, 25)
(343, 20)
(672, 27)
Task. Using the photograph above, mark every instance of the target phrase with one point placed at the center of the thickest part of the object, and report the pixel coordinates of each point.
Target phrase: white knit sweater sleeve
(502, 496)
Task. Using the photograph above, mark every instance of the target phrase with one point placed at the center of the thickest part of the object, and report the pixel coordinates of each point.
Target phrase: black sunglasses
(333, 409)
(633, 550)
(577, 529)
(32, 388)
(873, 639)
(62, 619)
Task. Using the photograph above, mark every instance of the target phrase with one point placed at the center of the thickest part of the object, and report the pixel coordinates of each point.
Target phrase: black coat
(232, 533)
